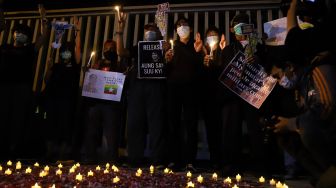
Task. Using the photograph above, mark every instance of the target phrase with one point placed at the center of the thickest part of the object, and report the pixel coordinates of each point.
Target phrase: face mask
(212, 40)
(150, 36)
(288, 83)
(110, 55)
(20, 38)
(66, 55)
(183, 31)
(244, 43)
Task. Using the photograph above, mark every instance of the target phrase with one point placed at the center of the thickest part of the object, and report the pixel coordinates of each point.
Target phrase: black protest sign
(247, 80)
(151, 64)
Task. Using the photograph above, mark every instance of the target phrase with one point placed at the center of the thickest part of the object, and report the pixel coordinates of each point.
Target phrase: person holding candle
(17, 63)
(105, 115)
(145, 105)
(184, 66)
(62, 84)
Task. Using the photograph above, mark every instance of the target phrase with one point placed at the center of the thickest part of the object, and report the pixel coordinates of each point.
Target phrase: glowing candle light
(28, 170)
(284, 186)
(235, 186)
(90, 173)
(9, 163)
(138, 172)
(79, 177)
(190, 184)
(166, 171)
(238, 177)
(272, 182)
(151, 169)
(42, 173)
(60, 165)
(46, 168)
(59, 172)
(189, 174)
(18, 165)
(172, 44)
(278, 185)
(214, 176)
(71, 170)
(36, 164)
(92, 54)
(114, 168)
(212, 45)
(8, 172)
(107, 165)
(116, 179)
(228, 180)
(36, 186)
(106, 171)
(0, 168)
(98, 168)
(200, 179)
(77, 165)
(53, 186)
(118, 11)
(261, 180)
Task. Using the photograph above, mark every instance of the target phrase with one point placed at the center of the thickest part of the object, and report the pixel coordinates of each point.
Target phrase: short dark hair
(180, 20)
(212, 28)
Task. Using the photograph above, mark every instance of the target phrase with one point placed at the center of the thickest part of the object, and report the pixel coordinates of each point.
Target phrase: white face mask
(244, 43)
(150, 36)
(20, 38)
(183, 31)
(66, 55)
(212, 40)
(288, 83)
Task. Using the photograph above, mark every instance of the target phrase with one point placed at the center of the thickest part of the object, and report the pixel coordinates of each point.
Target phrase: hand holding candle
(172, 44)
(92, 54)
(117, 8)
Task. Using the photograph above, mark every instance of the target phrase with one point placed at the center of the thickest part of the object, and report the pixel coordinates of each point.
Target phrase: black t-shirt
(64, 80)
(17, 64)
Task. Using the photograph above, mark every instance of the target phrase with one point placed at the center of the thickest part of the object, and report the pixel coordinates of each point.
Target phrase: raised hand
(42, 11)
(222, 42)
(198, 44)
(76, 22)
(121, 22)
(169, 55)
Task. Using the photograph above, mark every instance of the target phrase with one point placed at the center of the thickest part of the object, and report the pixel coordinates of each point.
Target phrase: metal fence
(98, 24)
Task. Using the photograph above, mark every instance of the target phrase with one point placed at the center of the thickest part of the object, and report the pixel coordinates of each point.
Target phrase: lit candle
(36, 186)
(0, 168)
(92, 54)
(36, 164)
(28, 170)
(166, 171)
(227, 180)
(77, 165)
(42, 174)
(138, 172)
(106, 171)
(79, 177)
(235, 186)
(18, 165)
(190, 184)
(238, 178)
(118, 11)
(214, 176)
(151, 169)
(107, 165)
(115, 169)
(60, 165)
(90, 173)
(46, 168)
(98, 168)
(74, 167)
(116, 179)
(53, 186)
(278, 185)
(261, 180)
(200, 179)
(212, 45)
(8, 172)
(71, 170)
(9, 163)
(272, 182)
(189, 175)
(284, 186)
(172, 44)
(59, 172)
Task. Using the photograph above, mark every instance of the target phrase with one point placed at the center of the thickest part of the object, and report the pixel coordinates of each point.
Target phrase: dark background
(11, 5)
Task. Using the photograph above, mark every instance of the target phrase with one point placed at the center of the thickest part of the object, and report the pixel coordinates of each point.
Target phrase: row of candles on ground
(116, 179)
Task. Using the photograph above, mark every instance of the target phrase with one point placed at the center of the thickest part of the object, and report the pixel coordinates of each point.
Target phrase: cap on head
(240, 18)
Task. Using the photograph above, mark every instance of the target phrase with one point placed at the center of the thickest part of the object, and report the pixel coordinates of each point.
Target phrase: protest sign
(151, 63)
(60, 27)
(161, 17)
(103, 85)
(247, 80)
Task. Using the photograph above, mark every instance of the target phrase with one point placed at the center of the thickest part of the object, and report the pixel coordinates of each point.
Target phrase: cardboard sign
(103, 85)
(151, 64)
(247, 80)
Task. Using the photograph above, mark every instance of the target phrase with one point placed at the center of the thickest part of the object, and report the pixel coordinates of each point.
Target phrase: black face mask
(111, 55)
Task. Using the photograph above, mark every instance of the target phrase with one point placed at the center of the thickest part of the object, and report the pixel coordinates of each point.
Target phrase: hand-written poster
(103, 85)
(151, 64)
(247, 80)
